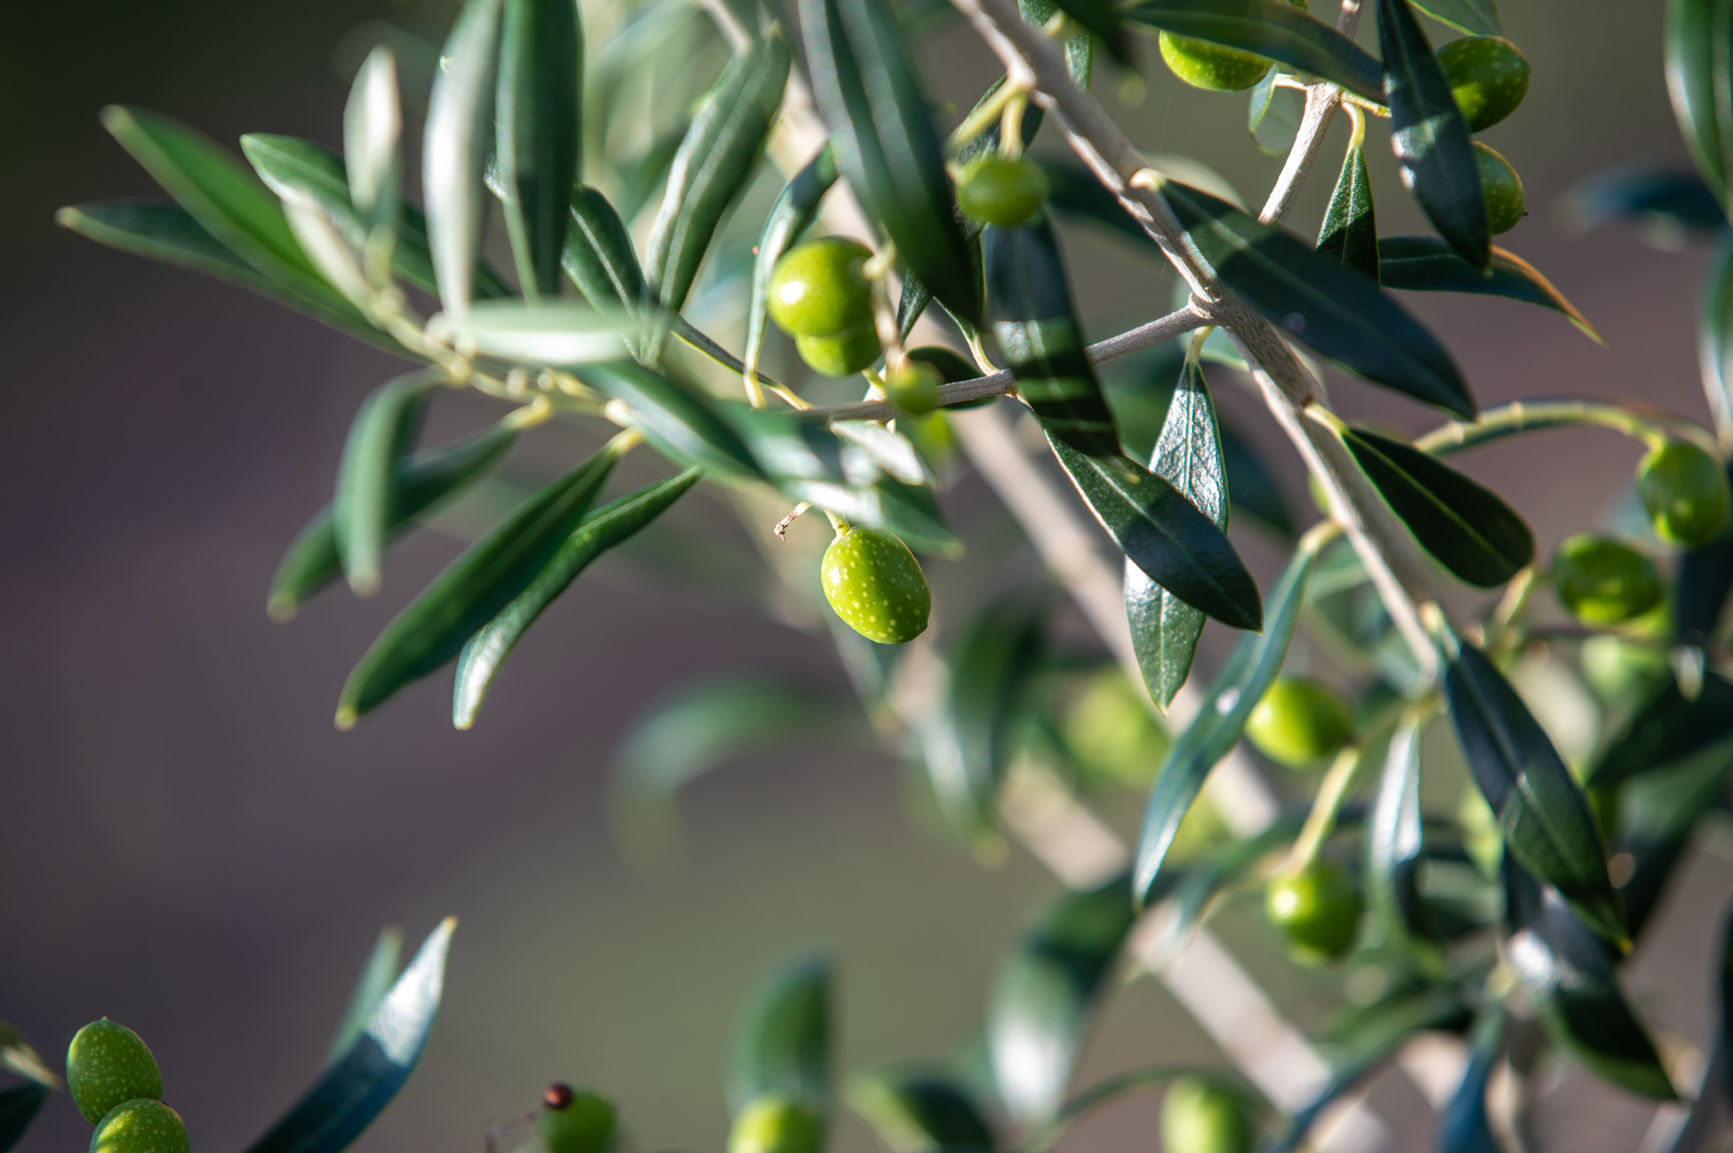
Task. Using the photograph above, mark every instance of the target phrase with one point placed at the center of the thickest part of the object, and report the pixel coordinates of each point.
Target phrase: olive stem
(1531, 416)
(1322, 819)
(983, 116)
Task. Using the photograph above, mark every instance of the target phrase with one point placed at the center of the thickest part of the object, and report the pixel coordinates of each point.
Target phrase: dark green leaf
(795, 207)
(1666, 204)
(1463, 1123)
(1043, 346)
(18, 1108)
(1164, 534)
(782, 1044)
(1106, 22)
(18, 1056)
(678, 419)
(1339, 313)
(1715, 332)
(1255, 491)
(1394, 842)
(1569, 980)
(1699, 74)
(713, 165)
(537, 126)
(473, 589)
(1273, 114)
(358, 1086)
(1188, 455)
(1658, 813)
(421, 483)
(1470, 17)
(1272, 28)
(1665, 731)
(1215, 730)
(1545, 818)
(640, 177)
(914, 1112)
(1701, 588)
(869, 92)
(599, 256)
(1426, 264)
(1045, 993)
(1079, 47)
(382, 433)
(599, 531)
(460, 115)
(1434, 151)
(1467, 528)
(377, 977)
(1350, 231)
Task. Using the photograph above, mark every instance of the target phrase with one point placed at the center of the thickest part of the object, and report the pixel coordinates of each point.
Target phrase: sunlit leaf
(543, 333)
(1427, 264)
(383, 432)
(537, 123)
(460, 117)
(372, 139)
(377, 977)
(782, 1042)
(678, 419)
(1715, 333)
(1394, 839)
(1272, 28)
(598, 256)
(18, 1056)
(1698, 77)
(1350, 230)
(919, 1112)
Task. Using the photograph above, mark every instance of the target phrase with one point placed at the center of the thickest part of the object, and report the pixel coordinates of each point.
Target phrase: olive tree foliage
(648, 180)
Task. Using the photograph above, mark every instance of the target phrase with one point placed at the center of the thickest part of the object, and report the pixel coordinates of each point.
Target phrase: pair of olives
(820, 296)
(115, 1082)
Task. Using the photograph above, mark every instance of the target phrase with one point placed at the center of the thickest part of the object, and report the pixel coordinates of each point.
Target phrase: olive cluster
(115, 1082)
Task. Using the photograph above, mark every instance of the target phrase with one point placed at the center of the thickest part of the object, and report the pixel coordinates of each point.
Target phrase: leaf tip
(346, 717)
(365, 582)
(281, 607)
(67, 217)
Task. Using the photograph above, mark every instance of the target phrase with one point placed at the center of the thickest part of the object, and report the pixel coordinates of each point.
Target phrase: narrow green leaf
(372, 139)
(1164, 534)
(1394, 840)
(1659, 813)
(1464, 1125)
(18, 1056)
(1188, 455)
(1350, 231)
(1666, 204)
(599, 257)
(1239, 686)
(1273, 115)
(1427, 264)
(782, 1041)
(1470, 17)
(869, 93)
(1434, 151)
(546, 333)
(1546, 821)
(1467, 528)
(1715, 333)
(18, 1108)
(382, 432)
(713, 166)
(795, 207)
(1043, 345)
(1701, 589)
(889, 451)
(599, 531)
(641, 176)
(358, 1086)
(1699, 77)
(454, 151)
(1665, 731)
(916, 1112)
(1272, 28)
(537, 133)
(1317, 301)
(679, 420)
(1045, 993)
(1079, 48)
(1106, 22)
(377, 977)
(472, 590)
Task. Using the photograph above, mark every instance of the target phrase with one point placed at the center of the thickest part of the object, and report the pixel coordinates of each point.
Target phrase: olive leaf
(377, 977)
(1044, 995)
(612, 524)
(1466, 527)
(538, 121)
(1272, 28)
(459, 132)
(1663, 202)
(598, 256)
(781, 1043)
(18, 1055)
(1434, 151)
(544, 332)
(1188, 455)
(1464, 1125)
(1394, 840)
(1701, 588)
(1350, 230)
(18, 1108)
(372, 140)
(795, 207)
(1427, 264)
(1668, 728)
(1470, 17)
(1079, 47)
(920, 1112)
(1715, 334)
(383, 431)
(1317, 301)
(1698, 75)
(356, 1087)
(678, 419)
(1216, 728)
(1273, 115)
(1105, 21)
(1658, 813)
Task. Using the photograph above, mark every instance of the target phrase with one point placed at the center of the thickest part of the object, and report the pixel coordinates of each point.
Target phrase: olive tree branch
(1322, 100)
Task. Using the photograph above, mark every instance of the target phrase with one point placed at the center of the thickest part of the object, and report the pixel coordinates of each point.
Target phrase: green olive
(817, 288)
(842, 355)
(1685, 491)
(1505, 204)
(1216, 67)
(1110, 733)
(140, 1126)
(775, 1125)
(914, 388)
(1602, 581)
(1318, 909)
(108, 1064)
(1488, 75)
(1002, 191)
(1619, 669)
(876, 586)
(584, 1124)
(1200, 1116)
(1300, 722)
(952, 368)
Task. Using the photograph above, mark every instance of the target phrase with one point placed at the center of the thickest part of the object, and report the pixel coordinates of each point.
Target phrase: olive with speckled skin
(876, 586)
(1317, 909)
(1685, 492)
(1002, 191)
(584, 1125)
(775, 1125)
(818, 288)
(842, 355)
(1505, 202)
(1200, 1116)
(140, 1126)
(1488, 75)
(108, 1064)
(1603, 581)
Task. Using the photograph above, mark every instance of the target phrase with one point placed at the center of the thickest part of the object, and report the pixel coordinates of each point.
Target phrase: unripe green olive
(1216, 67)
(1317, 909)
(817, 288)
(843, 354)
(1300, 722)
(140, 1126)
(1602, 581)
(108, 1064)
(876, 586)
(1619, 669)
(1505, 204)
(584, 1124)
(1488, 75)
(1200, 1116)
(1002, 191)
(914, 388)
(775, 1125)
(1685, 491)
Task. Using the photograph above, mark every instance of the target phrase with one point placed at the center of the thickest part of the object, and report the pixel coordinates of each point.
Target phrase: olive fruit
(1110, 734)
(775, 1125)
(1619, 669)
(140, 1126)
(1317, 908)
(1602, 581)
(876, 586)
(1488, 75)
(1002, 191)
(583, 1124)
(108, 1064)
(1200, 1116)
(843, 354)
(914, 388)
(1505, 204)
(1300, 722)
(1204, 64)
(817, 288)
(1685, 491)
